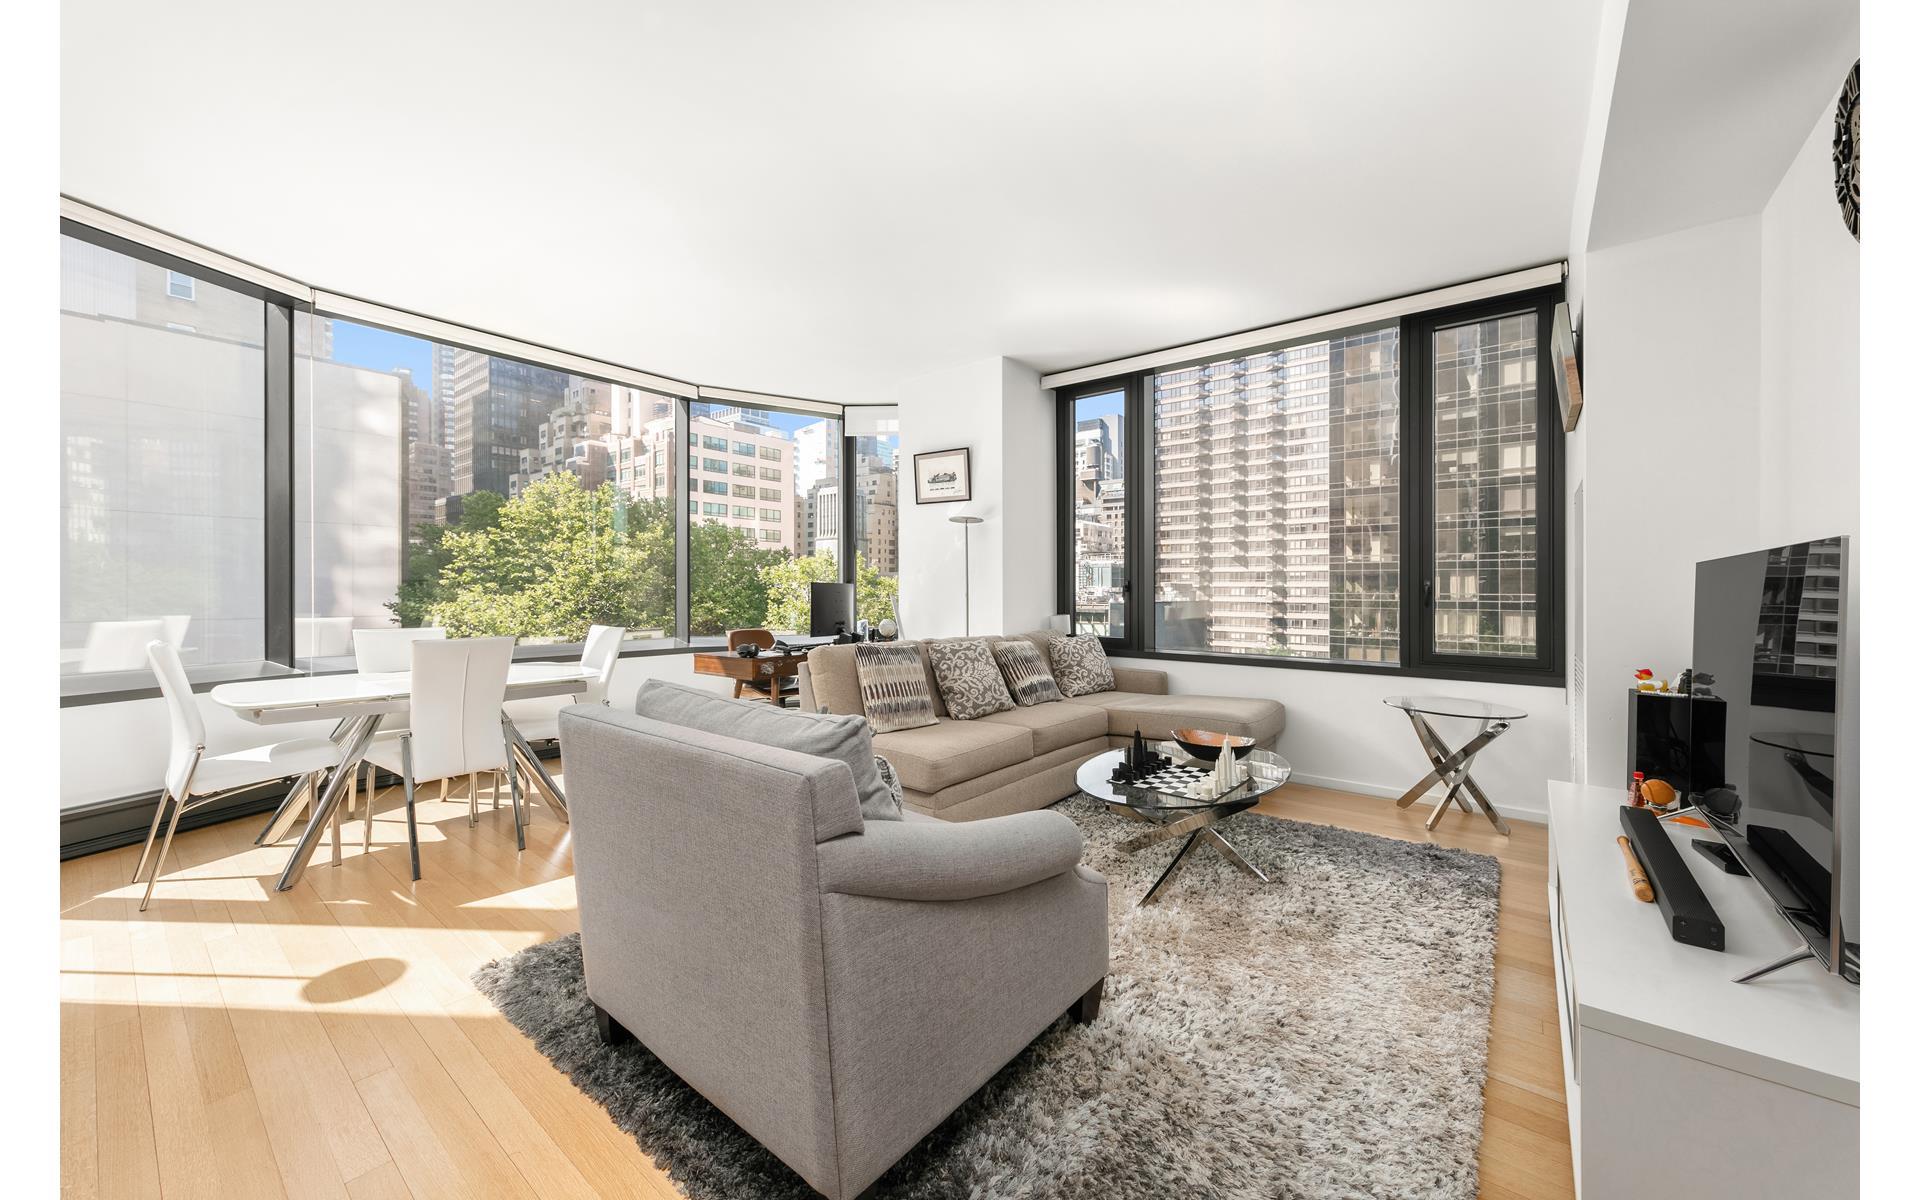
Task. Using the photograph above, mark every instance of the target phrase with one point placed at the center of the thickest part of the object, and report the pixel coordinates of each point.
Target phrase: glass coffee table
(1175, 815)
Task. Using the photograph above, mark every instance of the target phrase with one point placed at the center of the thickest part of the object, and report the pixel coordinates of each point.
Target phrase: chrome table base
(1197, 825)
(353, 735)
(1454, 768)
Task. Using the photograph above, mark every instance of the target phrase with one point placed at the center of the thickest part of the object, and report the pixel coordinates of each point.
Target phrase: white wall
(997, 408)
(1722, 416)
(1670, 445)
(1341, 734)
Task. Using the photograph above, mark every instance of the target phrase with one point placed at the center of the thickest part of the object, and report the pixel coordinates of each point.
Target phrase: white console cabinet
(1680, 1082)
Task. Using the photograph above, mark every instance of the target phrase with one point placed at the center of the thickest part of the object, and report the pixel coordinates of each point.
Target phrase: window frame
(1546, 669)
(279, 601)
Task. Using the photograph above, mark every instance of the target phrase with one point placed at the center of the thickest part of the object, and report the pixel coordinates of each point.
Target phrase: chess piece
(1225, 775)
(1138, 756)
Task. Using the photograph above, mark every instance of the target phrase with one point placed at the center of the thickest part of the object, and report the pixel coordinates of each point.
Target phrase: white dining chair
(122, 645)
(322, 637)
(195, 778)
(539, 720)
(380, 650)
(453, 724)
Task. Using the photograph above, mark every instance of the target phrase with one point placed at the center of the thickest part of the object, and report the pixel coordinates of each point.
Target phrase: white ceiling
(1709, 105)
(827, 200)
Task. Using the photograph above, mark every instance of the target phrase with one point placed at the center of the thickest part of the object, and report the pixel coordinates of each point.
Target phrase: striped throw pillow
(893, 686)
(1027, 674)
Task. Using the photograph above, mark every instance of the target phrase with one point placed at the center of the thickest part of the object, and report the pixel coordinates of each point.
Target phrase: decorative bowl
(1206, 745)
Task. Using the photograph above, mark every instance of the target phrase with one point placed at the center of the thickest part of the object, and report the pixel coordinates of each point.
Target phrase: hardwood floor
(236, 1042)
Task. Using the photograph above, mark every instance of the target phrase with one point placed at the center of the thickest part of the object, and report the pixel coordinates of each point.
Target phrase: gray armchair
(836, 987)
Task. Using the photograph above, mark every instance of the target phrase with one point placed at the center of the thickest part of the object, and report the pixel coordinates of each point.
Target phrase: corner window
(1382, 498)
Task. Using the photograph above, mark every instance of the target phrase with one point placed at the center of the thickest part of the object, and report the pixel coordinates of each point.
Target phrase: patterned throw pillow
(1080, 665)
(891, 778)
(1026, 672)
(893, 686)
(969, 679)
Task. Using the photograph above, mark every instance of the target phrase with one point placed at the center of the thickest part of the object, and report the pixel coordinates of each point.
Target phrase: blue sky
(382, 350)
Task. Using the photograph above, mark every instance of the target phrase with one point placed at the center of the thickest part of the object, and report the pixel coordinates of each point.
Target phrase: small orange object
(1659, 793)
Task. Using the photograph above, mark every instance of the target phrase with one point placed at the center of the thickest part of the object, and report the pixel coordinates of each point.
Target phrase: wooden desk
(770, 670)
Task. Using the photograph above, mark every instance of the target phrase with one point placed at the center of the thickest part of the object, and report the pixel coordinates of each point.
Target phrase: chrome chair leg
(493, 787)
(336, 819)
(366, 813)
(166, 846)
(406, 774)
(153, 830)
(283, 817)
(473, 799)
(513, 786)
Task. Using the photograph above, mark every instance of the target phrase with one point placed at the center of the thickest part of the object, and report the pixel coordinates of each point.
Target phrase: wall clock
(1846, 151)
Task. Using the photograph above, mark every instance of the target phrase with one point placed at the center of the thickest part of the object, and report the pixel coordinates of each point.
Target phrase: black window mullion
(681, 450)
(1138, 554)
(278, 528)
(849, 536)
(1416, 491)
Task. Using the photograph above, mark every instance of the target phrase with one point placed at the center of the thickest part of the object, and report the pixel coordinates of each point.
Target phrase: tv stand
(1680, 1081)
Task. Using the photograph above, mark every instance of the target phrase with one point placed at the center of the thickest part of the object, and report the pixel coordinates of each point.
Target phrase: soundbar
(1690, 918)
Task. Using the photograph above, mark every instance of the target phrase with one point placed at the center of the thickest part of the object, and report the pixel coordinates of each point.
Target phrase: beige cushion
(936, 756)
(893, 686)
(1158, 716)
(1055, 725)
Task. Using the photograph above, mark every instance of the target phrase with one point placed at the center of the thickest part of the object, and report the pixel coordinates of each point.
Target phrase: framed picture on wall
(943, 476)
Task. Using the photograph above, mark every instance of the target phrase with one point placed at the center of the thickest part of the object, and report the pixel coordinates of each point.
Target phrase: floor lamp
(966, 524)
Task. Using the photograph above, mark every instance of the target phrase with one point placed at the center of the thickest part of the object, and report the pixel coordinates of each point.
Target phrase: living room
(918, 601)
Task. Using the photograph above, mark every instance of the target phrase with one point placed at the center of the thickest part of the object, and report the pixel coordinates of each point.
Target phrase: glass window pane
(440, 486)
(876, 524)
(1486, 511)
(163, 487)
(1100, 515)
(750, 567)
(1277, 502)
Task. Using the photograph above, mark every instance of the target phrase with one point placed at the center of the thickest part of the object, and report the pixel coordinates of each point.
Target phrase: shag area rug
(1324, 1035)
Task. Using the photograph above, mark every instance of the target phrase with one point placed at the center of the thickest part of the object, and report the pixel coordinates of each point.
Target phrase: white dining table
(356, 703)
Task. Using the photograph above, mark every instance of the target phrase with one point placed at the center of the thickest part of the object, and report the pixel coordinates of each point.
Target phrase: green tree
(726, 570)
(555, 560)
(427, 557)
(788, 596)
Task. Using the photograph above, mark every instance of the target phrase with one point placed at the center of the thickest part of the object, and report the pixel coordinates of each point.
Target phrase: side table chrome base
(1455, 769)
(1198, 827)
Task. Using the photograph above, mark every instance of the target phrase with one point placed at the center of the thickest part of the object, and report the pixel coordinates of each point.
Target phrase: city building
(575, 437)
(499, 406)
(740, 473)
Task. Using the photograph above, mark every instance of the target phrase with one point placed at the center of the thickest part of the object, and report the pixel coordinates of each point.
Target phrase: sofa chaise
(1026, 758)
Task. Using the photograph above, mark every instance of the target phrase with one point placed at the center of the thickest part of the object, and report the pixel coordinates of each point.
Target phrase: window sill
(1514, 678)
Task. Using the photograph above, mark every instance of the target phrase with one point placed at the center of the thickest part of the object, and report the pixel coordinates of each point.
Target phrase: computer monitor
(832, 609)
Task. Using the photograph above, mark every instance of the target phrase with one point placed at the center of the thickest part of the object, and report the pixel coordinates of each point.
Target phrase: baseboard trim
(1514, 811)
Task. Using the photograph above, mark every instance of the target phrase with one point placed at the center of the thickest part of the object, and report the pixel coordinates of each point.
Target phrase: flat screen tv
(1770, 648)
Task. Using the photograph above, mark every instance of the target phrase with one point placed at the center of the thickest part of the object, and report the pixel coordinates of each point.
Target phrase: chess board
(1186, 781)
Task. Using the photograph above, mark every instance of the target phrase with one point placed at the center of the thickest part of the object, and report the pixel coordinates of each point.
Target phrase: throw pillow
(969, 680)
(891, 778)
(1026, 672)
(893, 686)
(1080, 665)
(845, 739)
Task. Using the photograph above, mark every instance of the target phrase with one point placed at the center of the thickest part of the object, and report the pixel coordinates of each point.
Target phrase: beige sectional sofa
(1026, 758)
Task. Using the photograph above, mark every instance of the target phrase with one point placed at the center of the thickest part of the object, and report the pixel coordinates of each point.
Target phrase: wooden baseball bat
(1638, 878)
